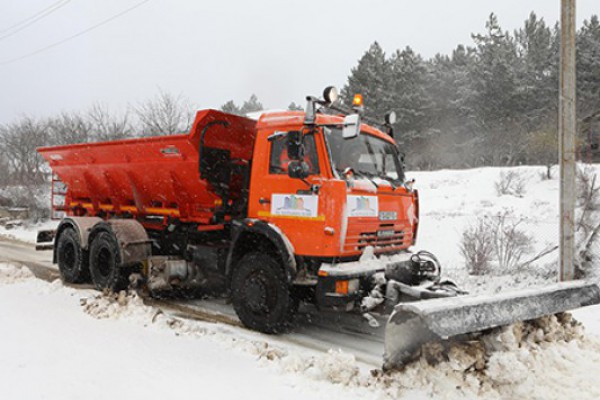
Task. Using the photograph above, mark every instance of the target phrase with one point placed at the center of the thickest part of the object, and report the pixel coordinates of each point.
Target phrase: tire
(73, 261)
(105, 263)
(261, 296)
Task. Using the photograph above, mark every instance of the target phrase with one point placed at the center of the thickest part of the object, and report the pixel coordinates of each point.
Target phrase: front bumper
(342, 285)
(366, 268)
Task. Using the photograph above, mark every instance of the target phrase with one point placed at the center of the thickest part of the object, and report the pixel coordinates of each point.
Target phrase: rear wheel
(72, 260)
(105, 263)
(261, 295)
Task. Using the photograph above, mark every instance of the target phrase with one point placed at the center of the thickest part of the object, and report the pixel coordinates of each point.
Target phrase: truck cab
(354, 195)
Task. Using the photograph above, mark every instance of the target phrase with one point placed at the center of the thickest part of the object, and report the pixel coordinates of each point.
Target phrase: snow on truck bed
(57, 342)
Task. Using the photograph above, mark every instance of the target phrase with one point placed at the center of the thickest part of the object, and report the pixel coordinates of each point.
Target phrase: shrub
(495, 239)
(476, 247)
(510, 183)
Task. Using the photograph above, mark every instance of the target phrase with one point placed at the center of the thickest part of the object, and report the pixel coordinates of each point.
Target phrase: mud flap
(413, 324)
(45, 240)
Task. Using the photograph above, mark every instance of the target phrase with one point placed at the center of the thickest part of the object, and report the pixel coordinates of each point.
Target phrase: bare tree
(18, 142)
(68, 128)
(4, 166)
(164, 115)
(106, 126)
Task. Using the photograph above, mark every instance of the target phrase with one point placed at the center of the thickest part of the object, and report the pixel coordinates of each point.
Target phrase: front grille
(389, 241)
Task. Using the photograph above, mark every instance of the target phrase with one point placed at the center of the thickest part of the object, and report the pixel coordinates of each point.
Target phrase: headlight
(331, 94)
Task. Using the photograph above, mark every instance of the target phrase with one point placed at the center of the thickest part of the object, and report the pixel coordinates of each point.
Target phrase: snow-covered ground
(60, 343)
(27, 232)
(57, 342)
(63, 343)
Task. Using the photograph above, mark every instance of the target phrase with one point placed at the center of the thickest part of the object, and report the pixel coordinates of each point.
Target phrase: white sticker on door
(297, 205)
(362, 206)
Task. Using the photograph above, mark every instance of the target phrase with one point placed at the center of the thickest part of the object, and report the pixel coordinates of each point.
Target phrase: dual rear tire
(73, 260)
(105, 263)
(101, 264)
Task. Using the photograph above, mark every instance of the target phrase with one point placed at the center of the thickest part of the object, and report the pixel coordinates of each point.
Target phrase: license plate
(385, 233)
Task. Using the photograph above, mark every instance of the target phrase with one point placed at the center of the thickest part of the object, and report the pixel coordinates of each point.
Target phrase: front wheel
(261, 296)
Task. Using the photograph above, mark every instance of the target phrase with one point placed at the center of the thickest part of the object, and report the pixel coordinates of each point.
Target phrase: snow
(27, 232)
(451, 200)
(73, 341)
(60, 343)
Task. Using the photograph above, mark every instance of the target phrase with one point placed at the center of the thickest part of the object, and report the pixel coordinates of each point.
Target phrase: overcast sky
(213, 51)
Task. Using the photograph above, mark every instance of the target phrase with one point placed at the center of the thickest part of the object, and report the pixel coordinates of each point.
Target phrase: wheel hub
(68, 257)
(256, 295)
(104, 262)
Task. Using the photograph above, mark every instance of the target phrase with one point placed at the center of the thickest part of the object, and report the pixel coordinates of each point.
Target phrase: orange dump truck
(272, 212)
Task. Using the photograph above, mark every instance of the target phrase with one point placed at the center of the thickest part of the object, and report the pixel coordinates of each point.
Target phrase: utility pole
(566, 132)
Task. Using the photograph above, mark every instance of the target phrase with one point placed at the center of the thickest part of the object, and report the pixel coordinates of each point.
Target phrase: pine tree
(370, 78)
(251, 105)
(495, 83)
(451, 117)
(409, 96)
(231, 108)
(295, 107)
(588, 67)
(536, 95)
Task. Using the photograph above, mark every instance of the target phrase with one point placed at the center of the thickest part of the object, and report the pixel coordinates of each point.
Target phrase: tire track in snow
(315, 330)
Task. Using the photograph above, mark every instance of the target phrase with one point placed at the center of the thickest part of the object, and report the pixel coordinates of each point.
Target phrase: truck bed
(152, 175)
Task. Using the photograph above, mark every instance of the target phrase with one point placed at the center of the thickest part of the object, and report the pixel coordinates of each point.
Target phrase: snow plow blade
(413, 324)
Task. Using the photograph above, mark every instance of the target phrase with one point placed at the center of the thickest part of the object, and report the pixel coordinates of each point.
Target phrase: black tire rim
(67, 256)
(104, 261)
(260, 294)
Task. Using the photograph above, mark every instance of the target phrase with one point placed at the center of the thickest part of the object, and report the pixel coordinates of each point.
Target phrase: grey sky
(213, 51)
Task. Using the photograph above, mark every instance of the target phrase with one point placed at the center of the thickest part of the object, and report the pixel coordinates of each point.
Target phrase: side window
(279, 159)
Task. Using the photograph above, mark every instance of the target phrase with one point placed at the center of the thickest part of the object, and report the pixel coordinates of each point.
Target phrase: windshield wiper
(391, 180)
(360, 174)
(367, 176)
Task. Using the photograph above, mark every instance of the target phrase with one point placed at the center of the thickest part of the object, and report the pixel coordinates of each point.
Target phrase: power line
(19, 26)
(32, 16)
(83, 32)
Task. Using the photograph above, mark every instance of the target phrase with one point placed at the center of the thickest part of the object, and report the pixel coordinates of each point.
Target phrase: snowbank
(72, 341)
(546, 359)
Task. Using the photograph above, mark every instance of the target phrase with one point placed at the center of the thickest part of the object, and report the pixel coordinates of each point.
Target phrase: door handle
(262, 200)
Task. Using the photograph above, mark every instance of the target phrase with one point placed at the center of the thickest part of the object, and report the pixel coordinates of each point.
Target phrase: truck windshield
(366, 154)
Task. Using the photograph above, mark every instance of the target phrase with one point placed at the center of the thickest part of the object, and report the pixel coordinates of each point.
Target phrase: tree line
(21, 165)
(494, 102)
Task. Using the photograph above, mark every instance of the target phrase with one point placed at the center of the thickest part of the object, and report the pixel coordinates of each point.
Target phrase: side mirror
(351, 127)
(295, 146)
(298, 169)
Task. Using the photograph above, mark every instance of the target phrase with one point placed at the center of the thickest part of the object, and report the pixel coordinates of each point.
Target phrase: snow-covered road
(140, 350)
(315, 330)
